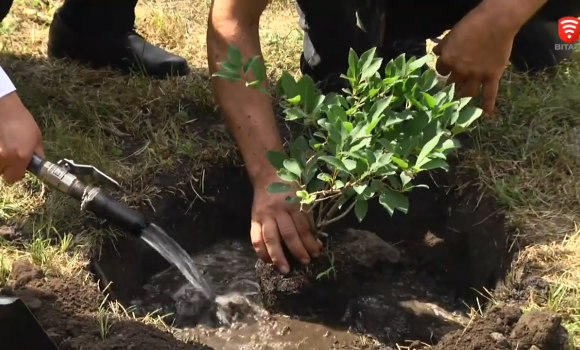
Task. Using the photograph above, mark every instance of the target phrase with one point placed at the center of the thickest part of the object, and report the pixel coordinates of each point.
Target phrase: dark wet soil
(66, 308)
(326, 284)
(452, 245)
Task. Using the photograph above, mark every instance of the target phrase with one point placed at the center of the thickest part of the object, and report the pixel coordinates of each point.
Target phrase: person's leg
(100, 32)
(5, 6)
(330, 31)
(408, 24)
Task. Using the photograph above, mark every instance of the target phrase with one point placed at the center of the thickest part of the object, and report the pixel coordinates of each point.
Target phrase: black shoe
(127, 51)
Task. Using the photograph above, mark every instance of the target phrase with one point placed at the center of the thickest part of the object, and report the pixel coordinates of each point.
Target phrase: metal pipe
(92, 198)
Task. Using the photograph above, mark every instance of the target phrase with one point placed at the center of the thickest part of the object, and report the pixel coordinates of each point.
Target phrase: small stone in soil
(23, 272)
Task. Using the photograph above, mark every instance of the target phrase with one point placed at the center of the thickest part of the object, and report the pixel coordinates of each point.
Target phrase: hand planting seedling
(370, 142)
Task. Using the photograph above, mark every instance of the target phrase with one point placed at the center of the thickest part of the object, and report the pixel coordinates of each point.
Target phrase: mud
(67, 307)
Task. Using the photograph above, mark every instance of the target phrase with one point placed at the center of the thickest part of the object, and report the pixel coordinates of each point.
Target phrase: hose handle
(36, 164)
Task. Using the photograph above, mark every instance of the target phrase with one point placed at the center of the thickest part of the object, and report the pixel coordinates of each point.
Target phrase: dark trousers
(102, 15)
(330, 30)
(96, 15)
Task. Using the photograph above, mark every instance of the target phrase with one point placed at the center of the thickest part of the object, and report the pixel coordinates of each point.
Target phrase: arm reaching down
(250, 118)
(19, 134)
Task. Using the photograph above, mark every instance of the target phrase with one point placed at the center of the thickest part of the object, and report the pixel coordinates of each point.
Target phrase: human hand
(274, 220)
(20, 137)
(475, 53)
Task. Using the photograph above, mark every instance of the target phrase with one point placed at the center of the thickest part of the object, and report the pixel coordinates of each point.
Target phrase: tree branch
(330, 221)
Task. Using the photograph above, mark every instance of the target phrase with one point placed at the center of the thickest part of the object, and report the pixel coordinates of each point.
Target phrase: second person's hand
(476, 53)
(274, 221)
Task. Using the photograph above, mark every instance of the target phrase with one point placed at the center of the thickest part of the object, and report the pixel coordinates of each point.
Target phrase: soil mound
(67, 307)
(504, 327)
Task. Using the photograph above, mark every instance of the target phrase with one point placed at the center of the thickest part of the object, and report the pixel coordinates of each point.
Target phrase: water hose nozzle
(64, 176)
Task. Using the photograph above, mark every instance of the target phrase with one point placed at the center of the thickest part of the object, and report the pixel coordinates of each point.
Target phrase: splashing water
(170, 250)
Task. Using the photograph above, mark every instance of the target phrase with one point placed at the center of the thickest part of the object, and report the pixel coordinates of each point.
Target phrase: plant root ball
(327, 282)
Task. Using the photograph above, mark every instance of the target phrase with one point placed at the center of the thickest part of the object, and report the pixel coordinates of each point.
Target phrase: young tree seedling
(369, 142)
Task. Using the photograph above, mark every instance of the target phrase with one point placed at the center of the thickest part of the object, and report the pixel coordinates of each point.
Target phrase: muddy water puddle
(392, 310)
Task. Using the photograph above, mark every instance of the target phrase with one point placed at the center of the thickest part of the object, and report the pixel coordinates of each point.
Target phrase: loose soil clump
(66, 306)
(505, 327)
(325, 284)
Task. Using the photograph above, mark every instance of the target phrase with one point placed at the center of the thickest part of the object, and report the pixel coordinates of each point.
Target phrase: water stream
(170, 250)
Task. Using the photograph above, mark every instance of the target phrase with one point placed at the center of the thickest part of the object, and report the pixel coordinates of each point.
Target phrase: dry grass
(133, 128)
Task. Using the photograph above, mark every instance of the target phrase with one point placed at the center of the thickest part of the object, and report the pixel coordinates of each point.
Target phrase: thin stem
(330, 221)
(329, 214)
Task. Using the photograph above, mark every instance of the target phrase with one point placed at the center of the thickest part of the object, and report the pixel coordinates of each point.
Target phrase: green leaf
(276, 158)
(366, 59)
(309, 200)
(350, 164)
(324, 177)
(293, 114)
(257, 69)
(376, 111)
(418, 63)
(302, 194)
(405, 178)
(428, 80)
(383, 160)
(293, 166)
(249, 63)
(235, 56)
(435, 164)
(294, 101)
(361, 208)
(307, 93)
(428, 100)
(360, 188)
(468, 115)
(392, 201)
(372, 69)
(429, 146)
(229, 66)
(315, 186)
(289, 85)
(278, 187)
(449, 144)
(395, 182)
(401, 163)
(355, 146)
(335, 162)
(338, 185)
(286, 175)
(401, 64)
(227, 75)
(353, 60)
(463, 102)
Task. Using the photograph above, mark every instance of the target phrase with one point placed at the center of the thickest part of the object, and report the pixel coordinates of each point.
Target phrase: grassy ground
(132, 128)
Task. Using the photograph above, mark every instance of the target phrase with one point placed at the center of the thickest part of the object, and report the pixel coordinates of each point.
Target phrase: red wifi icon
(569, 29)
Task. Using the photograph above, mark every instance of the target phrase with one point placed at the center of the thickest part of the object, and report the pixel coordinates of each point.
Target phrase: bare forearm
(248, 112)
(512, 13)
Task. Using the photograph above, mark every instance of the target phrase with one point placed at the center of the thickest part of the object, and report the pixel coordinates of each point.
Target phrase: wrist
(261, 177)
